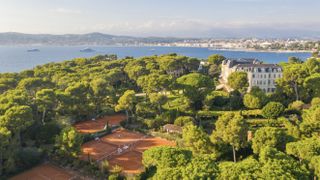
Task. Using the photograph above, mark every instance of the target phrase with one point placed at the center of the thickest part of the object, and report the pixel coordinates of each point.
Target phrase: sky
(165, 18)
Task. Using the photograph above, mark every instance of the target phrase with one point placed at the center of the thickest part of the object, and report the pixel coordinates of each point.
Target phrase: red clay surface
(152, 142)
(130, 159)
(131, 162)
(91, 126)
(96, 150)
(122, 137)
(44, 172)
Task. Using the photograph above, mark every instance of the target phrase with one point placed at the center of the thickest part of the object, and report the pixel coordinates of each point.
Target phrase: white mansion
(259, 74)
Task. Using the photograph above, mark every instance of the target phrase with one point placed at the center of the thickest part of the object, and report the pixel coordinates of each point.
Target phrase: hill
(12, 38)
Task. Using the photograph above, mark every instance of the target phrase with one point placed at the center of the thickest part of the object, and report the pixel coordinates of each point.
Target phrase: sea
(17, 58)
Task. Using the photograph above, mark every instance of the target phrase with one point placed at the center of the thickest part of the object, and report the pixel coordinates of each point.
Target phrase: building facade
(259, 75)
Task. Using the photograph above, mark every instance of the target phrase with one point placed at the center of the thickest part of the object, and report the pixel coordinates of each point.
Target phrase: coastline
(150, 46)
(16, 59)
(271, 51)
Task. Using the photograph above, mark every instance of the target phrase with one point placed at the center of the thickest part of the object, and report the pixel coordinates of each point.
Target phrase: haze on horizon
(178, 18)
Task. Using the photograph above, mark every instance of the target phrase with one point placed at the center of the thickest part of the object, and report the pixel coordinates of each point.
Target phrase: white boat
(33, 50)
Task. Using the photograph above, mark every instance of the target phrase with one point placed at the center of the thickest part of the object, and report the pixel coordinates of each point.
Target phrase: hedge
(255, 123)
(251, 113)
(92, 136)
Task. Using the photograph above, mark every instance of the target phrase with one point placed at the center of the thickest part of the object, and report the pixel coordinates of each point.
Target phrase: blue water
(15, 59)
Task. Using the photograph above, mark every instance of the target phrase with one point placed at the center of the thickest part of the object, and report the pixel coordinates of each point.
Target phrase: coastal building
(171, 128)
(203, 67)
(176, 72)
(259, 75)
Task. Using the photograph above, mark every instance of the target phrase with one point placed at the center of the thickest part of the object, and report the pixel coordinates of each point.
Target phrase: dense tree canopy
(196, 139)
(238, 81)
(268, 137)
(272, 110)
(38, 108)
(216, 59)
(69, 142)
(232, 129)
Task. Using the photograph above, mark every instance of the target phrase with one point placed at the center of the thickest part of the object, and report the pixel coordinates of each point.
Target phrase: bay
(15, 59)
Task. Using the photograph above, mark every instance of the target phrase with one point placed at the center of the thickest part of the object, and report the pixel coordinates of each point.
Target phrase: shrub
(268, 136)
(183, 120)
(92, 136)
(30, 156)
(153, 123)
(235, 101)
(216, 99)
(107, 111)
(315, 102)
(68, 142)
(104, 166)
(296, 105)
(46, 134)
(209, 113)
(256, 123)
(251, 101)
(145, 109)
(251, 113)
(272, 110)
(115, 177)
(168, 116)
(116, 169)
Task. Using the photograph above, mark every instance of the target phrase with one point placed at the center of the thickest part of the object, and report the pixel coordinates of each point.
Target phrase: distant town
(100, 39)
(248, 44)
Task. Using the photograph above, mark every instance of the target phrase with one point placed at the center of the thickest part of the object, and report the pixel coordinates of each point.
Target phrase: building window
(253, 76)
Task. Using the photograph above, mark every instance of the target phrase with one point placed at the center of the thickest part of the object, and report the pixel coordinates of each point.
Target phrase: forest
(225, 135)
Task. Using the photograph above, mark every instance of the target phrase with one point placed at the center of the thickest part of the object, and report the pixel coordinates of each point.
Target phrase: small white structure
(171, 128)
(259, 74)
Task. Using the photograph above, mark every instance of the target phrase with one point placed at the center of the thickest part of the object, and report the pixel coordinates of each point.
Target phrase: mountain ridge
(94, 38)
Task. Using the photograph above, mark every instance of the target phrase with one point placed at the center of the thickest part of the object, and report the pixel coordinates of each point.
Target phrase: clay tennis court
(96, 150)
(131, 162)
(44, 172)
(92, 126)
(149, 142)
(129, 159)
(122, 137)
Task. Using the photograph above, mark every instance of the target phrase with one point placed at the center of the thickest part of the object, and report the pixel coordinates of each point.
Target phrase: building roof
(243, 60)
(248, 62)
(172, 127)
(259, 65)
(232, 62)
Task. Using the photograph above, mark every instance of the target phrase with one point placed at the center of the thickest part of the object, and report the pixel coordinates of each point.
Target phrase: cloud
(66, 11)
(184, 27)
